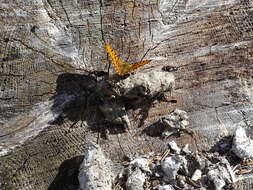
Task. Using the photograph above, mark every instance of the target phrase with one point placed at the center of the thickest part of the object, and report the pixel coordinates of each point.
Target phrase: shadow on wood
(84, 103)
(67, 177)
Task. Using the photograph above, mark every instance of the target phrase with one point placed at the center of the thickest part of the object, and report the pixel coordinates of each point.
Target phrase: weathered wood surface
(44, 117)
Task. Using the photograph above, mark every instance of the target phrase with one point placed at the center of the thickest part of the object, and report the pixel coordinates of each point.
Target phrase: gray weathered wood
(48, 47)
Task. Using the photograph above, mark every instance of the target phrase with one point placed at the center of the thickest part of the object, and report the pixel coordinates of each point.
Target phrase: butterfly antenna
(128, 55)
(152, 48)
(145, 54)
(109, 68)
(107, 62)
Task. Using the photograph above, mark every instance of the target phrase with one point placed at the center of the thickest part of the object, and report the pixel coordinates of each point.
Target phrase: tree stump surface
(49, 49)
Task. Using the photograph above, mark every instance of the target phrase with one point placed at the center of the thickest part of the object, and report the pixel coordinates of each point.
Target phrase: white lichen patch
(219, 176)
(175, 122)
(115, 113)
(173, 146)
(145, 84)
(142, 163)
(165, 187)
(136, 180)
(95, 171)
(196, 175)
(171, 165)
(242, 145)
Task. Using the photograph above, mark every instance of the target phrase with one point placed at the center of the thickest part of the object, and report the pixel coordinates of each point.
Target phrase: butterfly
(122, 68)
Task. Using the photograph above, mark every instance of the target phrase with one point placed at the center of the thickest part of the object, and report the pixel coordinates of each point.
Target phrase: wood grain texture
(48, 48)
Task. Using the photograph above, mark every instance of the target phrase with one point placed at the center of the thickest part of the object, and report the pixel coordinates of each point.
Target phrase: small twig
(192, 182)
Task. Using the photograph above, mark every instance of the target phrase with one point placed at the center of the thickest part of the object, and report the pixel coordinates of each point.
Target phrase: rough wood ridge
(49, 48)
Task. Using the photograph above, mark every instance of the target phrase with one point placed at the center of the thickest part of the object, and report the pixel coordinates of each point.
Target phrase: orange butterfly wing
(120, 67)
(117, 63)
(138, 64)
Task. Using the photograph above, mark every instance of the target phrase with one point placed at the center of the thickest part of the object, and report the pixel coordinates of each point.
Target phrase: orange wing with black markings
(117, 63)
(122, 68)
(138, 64)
